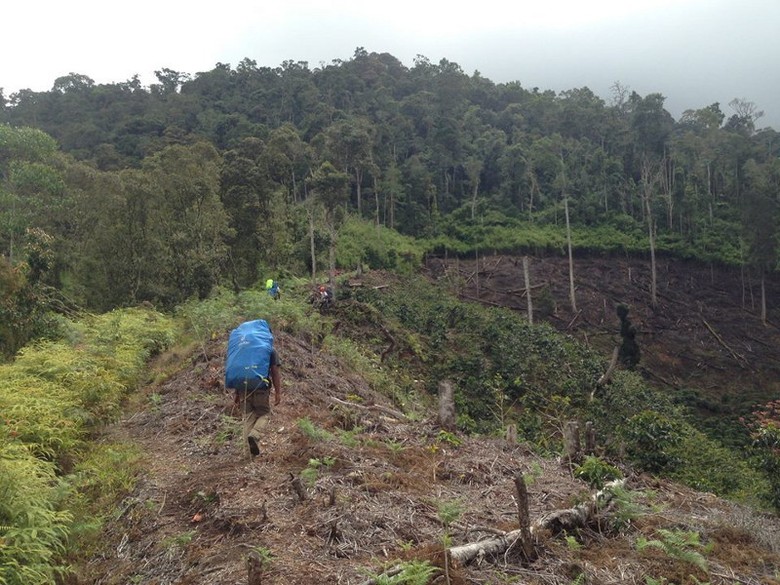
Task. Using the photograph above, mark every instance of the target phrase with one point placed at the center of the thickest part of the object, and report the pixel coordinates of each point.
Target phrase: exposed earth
(704, 334)
(374, 487)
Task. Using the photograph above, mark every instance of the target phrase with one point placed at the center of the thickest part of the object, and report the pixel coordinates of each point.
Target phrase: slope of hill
(346, 487)
(703, 341)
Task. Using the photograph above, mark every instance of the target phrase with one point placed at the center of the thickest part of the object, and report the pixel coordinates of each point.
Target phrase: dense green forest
(117, 194)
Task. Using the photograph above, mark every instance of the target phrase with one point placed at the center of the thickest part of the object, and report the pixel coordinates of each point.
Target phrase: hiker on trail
(252, 367)
(322, 298)
(273, 288)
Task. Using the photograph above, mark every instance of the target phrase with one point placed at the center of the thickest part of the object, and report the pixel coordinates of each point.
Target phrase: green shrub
(649, 440)
(596, 472)
(409, 573)
(52, 397)
(680, 545)
(363, 243)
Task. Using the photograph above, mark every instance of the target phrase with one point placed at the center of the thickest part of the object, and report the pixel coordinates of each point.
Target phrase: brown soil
(704, 334)
(376, 483)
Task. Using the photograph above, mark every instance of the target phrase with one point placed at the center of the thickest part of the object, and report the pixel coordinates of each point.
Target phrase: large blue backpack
(248, 361)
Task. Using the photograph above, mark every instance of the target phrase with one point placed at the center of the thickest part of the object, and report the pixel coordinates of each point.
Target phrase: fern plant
(680, 545)
(411, 573)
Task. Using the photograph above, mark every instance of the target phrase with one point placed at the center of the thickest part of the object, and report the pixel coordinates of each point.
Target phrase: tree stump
(572, 448)
(590, 438)
(447, 415)
(524, 518)
(254, 569)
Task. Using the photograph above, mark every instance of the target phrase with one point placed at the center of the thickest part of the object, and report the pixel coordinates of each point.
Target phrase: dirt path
(374, 491)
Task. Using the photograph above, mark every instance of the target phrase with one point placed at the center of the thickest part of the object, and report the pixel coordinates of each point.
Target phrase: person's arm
(276, 379)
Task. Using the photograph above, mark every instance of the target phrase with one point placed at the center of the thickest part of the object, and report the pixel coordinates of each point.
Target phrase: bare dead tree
(527, 276)
(649, 179)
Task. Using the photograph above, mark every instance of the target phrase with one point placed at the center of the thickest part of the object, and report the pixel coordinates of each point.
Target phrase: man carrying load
(251, 368)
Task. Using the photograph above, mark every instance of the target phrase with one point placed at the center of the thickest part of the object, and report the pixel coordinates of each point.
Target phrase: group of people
(321, 297)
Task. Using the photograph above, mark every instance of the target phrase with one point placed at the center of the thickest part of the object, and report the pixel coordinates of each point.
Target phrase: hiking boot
(253, 448)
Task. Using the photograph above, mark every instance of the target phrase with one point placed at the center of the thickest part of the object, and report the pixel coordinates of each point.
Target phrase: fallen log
(737, 357)
(552, 523)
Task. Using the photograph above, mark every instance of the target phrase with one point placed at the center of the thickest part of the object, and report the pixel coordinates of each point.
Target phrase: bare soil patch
(705, 333)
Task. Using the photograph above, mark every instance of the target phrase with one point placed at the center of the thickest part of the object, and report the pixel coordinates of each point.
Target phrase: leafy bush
(765, 430)
(474, 346)
(649, 438)
(680, 545)
(363, 243)
(708, 466)
(225, 310)
(596, 472)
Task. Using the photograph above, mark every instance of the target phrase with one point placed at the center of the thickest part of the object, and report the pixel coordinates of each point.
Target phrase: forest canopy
(115, 194)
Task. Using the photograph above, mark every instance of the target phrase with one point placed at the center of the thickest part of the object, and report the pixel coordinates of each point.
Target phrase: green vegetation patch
(53, 483)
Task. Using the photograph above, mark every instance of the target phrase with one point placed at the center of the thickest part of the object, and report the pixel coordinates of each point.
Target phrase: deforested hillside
(358, 483)
(704, 342)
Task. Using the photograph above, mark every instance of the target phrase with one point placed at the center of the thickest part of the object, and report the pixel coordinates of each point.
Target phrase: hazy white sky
(695, 52)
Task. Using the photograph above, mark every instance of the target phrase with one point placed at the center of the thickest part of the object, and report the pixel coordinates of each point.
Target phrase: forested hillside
(217, 176)
(182, 196)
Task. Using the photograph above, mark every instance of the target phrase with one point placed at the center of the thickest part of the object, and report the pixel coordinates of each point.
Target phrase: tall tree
(245, 191)
(761, 218)
(349, 143)
(31, 188)
(650, 178)
(330, 186)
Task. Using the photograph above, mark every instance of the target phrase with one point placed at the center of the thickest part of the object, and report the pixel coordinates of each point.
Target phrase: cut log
(741, 361)
(570, 518)
(552, 523)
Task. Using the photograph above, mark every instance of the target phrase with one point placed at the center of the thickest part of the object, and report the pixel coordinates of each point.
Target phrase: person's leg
(250, 418)
(261, 407)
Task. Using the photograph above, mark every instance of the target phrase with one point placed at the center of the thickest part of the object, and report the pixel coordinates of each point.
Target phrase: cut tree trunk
(447, 414)
(553, 524)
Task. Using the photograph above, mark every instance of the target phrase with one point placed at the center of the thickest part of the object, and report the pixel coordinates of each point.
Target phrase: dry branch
(376, 407)
(390, 347)
(485, 301)
(606, 376)
(738, 358)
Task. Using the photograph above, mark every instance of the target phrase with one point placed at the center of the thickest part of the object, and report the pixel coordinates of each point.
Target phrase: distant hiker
(321, 297)
(251, 368)
(324, 298)
(273, 288)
